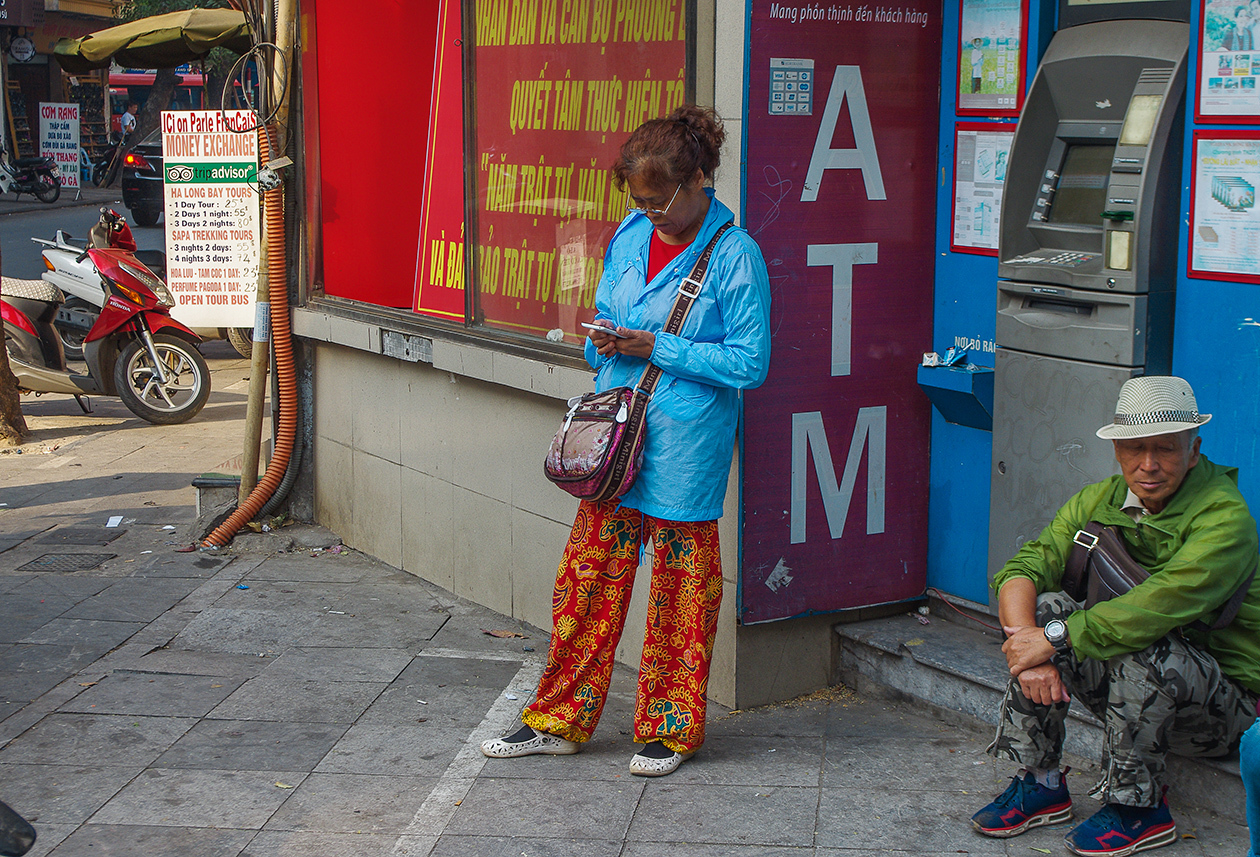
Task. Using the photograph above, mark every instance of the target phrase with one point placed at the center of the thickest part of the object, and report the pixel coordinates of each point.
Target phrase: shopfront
(452, 230)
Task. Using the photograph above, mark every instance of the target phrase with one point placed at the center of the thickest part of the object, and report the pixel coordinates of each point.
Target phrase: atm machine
(1087, 251)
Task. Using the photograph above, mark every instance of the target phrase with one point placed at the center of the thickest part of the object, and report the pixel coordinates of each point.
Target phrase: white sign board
(213, 242)
(59, 139)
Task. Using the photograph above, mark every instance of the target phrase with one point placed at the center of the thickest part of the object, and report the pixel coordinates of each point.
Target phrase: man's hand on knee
(1043, 685)
(1026, 647)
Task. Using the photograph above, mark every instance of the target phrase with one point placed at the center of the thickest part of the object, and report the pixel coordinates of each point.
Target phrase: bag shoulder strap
(688, 291)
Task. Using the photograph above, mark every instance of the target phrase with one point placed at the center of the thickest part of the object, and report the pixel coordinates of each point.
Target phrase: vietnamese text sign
(1228, 62)
(560, 86)
(210, 174)
(842, 200)
(1224, 220)
(59, 139)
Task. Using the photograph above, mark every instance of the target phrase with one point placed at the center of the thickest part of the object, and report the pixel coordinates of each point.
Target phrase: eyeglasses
(630, 206)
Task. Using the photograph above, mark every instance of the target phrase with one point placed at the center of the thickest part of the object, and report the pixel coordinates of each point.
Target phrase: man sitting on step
(1147, 662)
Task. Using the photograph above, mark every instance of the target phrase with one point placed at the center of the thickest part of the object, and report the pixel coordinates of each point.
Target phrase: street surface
(288, 697)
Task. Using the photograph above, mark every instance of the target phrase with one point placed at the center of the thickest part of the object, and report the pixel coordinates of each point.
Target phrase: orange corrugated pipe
(282, 341)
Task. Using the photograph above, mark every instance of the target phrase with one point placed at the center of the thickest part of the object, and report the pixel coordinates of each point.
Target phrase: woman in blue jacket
(722, 348)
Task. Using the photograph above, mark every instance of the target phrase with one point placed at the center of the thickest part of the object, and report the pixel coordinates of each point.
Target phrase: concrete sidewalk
(279, 699)
(89, 195)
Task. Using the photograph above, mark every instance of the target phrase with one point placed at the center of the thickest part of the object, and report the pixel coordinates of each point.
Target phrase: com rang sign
(213, 248)
(59, 139)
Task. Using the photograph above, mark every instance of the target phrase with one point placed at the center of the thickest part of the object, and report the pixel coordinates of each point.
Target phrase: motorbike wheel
(242, 339)
(47, 187)
(99, 171)
(182, 396)
(144, 216)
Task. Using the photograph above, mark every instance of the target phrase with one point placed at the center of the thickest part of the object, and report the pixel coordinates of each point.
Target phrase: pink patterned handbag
(598, 450)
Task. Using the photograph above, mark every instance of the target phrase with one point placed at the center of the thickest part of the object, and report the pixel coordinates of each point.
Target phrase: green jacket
(1199, 550)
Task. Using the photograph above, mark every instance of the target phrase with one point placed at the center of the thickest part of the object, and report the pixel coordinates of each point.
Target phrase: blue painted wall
(1216, 346)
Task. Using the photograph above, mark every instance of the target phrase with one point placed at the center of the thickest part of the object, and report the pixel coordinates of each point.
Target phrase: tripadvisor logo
(211, 173)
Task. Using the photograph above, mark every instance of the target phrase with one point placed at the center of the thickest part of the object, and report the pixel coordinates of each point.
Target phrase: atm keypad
(1070, 260)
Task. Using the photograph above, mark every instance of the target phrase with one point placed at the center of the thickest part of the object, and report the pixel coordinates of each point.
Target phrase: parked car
(142, 180)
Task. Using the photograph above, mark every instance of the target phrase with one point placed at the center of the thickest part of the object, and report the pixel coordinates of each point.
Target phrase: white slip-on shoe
(655, 764)
(527, 741)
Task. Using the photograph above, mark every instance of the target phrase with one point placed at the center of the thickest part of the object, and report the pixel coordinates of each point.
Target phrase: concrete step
(959, 670)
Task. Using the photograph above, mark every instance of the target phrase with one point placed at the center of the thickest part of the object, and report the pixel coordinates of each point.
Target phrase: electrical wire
(941, 596)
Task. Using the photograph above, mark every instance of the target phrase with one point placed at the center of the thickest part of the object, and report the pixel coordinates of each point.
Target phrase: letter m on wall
(808, 435)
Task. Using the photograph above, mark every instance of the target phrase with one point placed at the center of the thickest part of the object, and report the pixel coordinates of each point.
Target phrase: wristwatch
(1057, 634)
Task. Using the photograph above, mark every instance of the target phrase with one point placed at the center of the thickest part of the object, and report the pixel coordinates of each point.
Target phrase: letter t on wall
(841, 258)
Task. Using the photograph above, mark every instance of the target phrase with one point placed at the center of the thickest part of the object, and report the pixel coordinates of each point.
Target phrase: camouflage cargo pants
(1167, 697)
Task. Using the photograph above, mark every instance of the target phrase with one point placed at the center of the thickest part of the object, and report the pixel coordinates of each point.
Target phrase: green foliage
(134, 9)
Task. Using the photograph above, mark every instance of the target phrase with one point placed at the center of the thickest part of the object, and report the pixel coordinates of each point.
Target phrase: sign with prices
(213, 234)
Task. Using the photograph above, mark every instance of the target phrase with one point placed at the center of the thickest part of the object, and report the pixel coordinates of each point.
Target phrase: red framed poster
(992, 57)
(841, 197)
(1228, 63)
(1224, 220)
(981, 152)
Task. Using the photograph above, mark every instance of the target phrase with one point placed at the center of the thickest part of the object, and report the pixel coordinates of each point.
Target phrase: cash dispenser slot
(1096, 327)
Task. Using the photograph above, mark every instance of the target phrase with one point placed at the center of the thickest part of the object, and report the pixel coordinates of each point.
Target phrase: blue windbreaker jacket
(723, 347)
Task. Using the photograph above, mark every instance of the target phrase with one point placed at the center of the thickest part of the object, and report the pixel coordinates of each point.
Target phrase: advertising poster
(841, 198)
(213, 240)
(991, 57)
(1224, 221)
(1228, 61)
(440, 255)
(59, 139)
(559, 88)
(980, 156)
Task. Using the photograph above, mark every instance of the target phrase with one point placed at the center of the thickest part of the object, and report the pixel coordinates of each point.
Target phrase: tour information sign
(210, 174)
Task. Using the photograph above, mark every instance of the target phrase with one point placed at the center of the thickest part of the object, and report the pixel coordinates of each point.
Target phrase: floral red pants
(589, 611)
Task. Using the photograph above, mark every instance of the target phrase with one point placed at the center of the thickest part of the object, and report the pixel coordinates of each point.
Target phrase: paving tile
(959, 762)
(173, 660)
(1213, 834)
(133, 600)
(25, 614)
(126, 692)
(917, 822)
(457, 672)
(340, 664)
(409, 751)
(62, 794)
(185, 565)
(197, 798)
(409, 631)
(353, 803)
(566, 809)
(296, 701)
(735, 815)
(88, 635)
(805, 719)
(48, 837)
(691, 849)
(129, 840)
(252, 745)
(285, 843)
(299, 566)
(245, 631)
(105, 739)
(72, 585)
(11, 581)
(754, 760)
(501, 846)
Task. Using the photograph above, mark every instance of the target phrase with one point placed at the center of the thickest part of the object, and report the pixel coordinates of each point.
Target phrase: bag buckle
(1086, 540)
(694, 292)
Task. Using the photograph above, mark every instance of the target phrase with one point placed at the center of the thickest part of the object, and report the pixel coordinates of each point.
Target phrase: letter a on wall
(842, 140)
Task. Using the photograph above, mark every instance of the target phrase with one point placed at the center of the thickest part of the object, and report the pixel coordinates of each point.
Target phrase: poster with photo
(1229, 33)
(992, 34)
(981, 153)
(1224, 220)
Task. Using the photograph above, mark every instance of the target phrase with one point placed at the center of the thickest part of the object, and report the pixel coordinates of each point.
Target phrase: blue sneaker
(1025, 803)
(1122, 830)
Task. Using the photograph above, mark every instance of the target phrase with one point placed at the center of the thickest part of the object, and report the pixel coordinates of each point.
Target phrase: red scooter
(134, 351)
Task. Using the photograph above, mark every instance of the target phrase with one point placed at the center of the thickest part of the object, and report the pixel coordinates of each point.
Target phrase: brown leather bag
(1099, 568)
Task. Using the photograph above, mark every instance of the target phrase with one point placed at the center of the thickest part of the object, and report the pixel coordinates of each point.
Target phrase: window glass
(559, 86)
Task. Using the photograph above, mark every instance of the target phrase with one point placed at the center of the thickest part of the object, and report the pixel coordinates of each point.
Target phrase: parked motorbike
(134, 351)
(40, 177)
(109, 163)
(72, 271)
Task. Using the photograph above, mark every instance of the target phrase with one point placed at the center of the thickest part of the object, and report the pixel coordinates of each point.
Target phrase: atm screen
(1081, 193)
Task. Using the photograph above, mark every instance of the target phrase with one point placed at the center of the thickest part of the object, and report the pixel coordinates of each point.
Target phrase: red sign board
(842, 149)
(559, 87)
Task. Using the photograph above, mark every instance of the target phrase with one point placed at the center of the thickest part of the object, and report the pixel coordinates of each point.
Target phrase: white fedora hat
(1153, 405)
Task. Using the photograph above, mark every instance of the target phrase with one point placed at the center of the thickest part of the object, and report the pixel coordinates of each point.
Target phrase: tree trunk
(12, 423)
(160, 95)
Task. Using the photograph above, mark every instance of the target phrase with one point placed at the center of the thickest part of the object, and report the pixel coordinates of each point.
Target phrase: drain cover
(80, 536)
(66, 561)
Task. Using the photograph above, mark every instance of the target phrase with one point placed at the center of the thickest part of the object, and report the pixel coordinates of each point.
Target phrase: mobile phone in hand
(608, 330)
